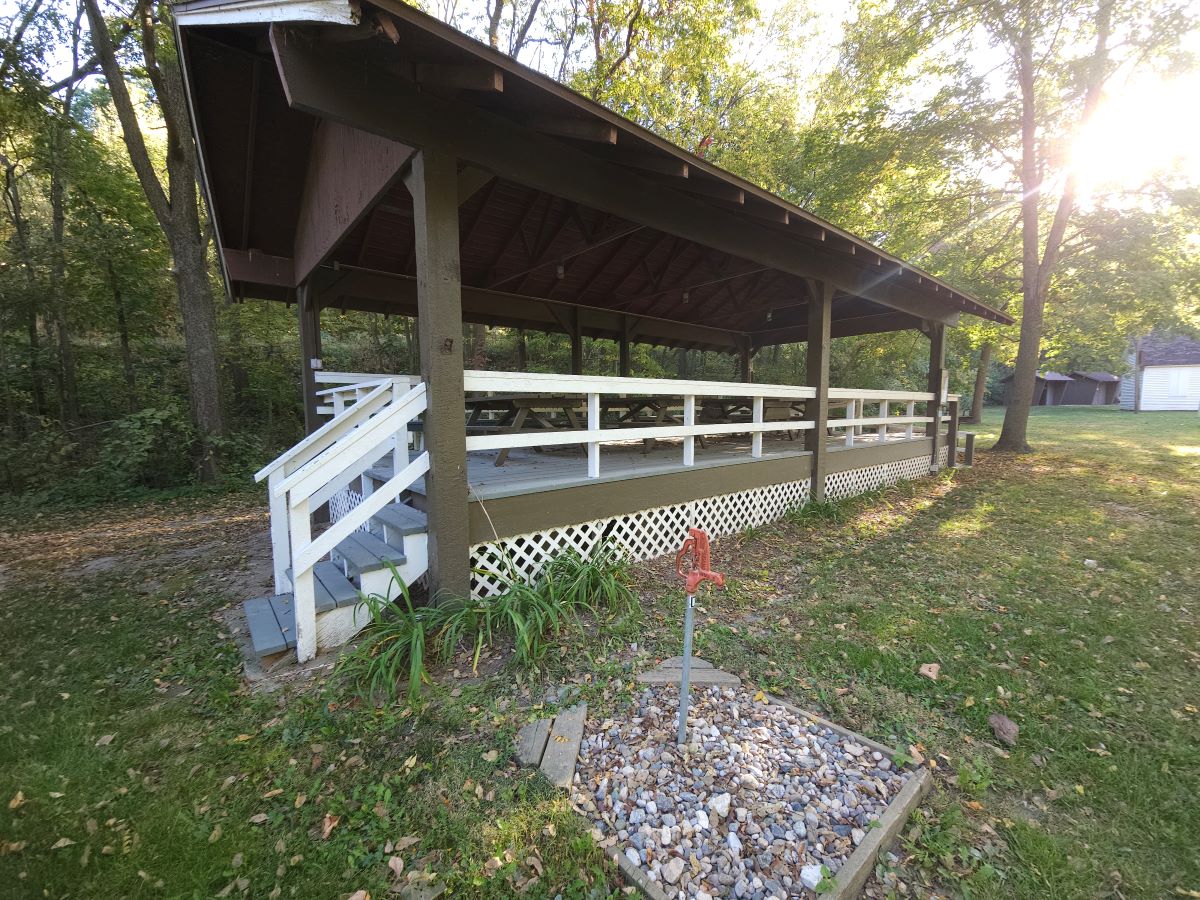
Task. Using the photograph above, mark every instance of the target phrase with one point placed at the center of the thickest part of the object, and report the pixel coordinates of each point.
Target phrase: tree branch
(131, 131)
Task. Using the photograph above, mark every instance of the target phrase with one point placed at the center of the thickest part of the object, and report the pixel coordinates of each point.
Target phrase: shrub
(402, 637)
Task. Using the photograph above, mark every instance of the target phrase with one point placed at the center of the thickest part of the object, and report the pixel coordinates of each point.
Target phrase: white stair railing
(306, 476)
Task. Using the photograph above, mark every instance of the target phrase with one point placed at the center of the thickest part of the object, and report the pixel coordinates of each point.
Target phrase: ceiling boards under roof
(564, 205)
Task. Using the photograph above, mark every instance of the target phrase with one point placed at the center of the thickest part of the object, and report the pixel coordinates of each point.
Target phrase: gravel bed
(755, 803)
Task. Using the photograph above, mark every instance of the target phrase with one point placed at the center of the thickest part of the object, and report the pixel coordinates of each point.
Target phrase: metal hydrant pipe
(695, 555)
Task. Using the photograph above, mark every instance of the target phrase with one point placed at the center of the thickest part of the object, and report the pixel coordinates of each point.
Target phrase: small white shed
(1165, 375)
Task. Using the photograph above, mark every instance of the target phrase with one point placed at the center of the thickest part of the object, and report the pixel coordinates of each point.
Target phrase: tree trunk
(1036, 273)
(522, 351)
(478, 346)
(1016, 415)
(177, 210)
(67, 378)
(131, 396)
(199, 320)
(985, 360)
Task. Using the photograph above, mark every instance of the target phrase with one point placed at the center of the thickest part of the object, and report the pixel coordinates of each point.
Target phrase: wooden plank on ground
(562, 748)
(531, 742)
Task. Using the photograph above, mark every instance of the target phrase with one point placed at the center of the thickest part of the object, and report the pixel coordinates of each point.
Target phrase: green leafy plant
(974, 776)
(395, 645)
(814, 512)
(403, 637)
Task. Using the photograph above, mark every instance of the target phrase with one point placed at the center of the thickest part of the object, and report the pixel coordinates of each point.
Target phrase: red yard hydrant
(692, 565)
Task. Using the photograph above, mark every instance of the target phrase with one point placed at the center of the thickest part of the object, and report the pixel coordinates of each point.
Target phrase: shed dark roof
(1044, 376)
(1161, 350)
(1095, 376)
(749, 282)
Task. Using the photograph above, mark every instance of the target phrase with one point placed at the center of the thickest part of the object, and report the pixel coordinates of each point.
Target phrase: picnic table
(515, 412)
(512, 413)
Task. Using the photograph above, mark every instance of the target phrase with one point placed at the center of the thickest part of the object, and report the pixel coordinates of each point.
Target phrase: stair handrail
(346, 454)
(325, 436)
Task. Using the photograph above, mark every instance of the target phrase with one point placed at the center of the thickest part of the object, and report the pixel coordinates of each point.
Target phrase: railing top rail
(327, 434)
(322, 376)
(306, 480)
(541, 383)
(354, 386)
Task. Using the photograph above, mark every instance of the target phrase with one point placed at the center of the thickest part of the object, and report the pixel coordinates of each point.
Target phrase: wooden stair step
(332, 583)
(403, 518)
(364, 552)
(272, 622)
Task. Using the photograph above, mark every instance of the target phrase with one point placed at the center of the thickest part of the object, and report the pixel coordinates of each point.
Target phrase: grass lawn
(134, 762)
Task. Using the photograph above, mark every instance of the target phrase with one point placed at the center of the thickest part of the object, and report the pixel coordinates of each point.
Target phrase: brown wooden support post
(952, 435)
(623, 348)
(745, 370)
(308, 309)
(576, 343)
(817, 409)
(968, 448)
(937, 369)
(433, 183)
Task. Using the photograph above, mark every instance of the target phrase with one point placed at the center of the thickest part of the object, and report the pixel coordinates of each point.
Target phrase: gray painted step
(365, 552)
(267, 633)
(331, 586)
(403, 518)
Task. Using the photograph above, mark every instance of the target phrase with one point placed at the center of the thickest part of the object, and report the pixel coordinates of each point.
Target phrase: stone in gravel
(637, 817)
(810, 877)
(633, 856)
(702, 819)
(735, 844)
(858, 836)
(665, 836)
(672, 870)
(719, 805)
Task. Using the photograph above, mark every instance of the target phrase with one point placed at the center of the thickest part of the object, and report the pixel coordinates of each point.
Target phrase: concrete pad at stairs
(562, 747)
(670, 671)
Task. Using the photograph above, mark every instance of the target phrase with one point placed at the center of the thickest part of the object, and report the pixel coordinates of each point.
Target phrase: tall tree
(176, 205)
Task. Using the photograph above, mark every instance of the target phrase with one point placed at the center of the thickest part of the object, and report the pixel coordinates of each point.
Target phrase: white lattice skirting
(655, 532)
(853, 482)
(342, 503)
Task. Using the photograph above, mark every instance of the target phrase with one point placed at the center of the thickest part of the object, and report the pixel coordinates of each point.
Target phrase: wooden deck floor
(528, 471)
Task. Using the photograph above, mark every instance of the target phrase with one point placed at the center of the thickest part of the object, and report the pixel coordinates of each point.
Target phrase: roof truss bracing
(560, 200)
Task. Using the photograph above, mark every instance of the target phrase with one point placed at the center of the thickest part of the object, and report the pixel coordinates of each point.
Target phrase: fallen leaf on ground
(62, 842)
(396, 864)
(106, 740)
(258, 819)
(330, 822)
(17, 800)
(491, 756)
(1004, 728)
(405, 842)
(216, 834)
(930, 671)
(301, 799)
(359, 895)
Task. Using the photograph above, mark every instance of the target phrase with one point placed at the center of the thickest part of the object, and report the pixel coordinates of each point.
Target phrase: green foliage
(815, 513)
(395, 649)
(402, 638)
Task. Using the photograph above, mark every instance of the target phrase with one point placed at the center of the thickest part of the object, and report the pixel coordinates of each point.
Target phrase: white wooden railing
(596, 432)
(895, 408)
(855, 422)
(304, 478)
(347, 388)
